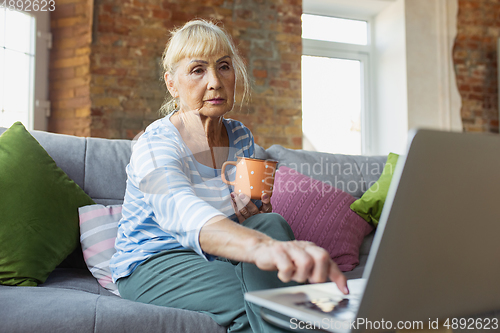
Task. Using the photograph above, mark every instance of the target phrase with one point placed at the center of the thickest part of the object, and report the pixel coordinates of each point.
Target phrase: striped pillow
(98, 230)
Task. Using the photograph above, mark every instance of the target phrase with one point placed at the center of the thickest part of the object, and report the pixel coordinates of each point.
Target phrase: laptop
(436, 251)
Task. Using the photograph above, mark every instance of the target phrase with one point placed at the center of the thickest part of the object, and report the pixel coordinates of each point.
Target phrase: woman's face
(205, 84)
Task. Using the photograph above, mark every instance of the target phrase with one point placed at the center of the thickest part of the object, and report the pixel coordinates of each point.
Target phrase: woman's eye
(197, 71)
(225, 67)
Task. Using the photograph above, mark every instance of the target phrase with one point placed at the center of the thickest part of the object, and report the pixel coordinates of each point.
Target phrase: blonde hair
(200, 38)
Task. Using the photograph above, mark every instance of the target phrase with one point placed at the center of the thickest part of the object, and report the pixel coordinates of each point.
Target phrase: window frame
(361, 53)
(43, 44)
(41, 40)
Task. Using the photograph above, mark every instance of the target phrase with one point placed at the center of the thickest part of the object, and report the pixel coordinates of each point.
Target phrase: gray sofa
(71, 300)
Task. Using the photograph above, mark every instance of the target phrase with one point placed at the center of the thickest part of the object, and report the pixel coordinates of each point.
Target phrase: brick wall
(69, 76)
(475, 58)
(121, 92)
(105, 77)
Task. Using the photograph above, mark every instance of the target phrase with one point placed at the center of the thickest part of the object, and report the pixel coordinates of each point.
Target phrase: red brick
(60, 113)
(61, 2)
(464, 88)
(60, 94)
(127, 82)
(61, 33)
(70, 62)
(83, 92)
(69, 83)
(121, 29)
(280, 84)
(66, 10)
(161, 14)
(110, 71)
(62, 73)
(105, 28)
(71, 21)
(83, 9)
(135, 11)
(261, 74)
(62, 53)
(76, 102)
(100, 133)
(81, 71)
(108, 8)
(297, 142)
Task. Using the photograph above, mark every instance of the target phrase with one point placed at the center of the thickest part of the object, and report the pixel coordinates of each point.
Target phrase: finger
(235, 208)
(272, 257)
(266, 204)
(238, 202)
(244, 211)
(250, 207)
(336, 276)
(266, 199)
(265, 209)
(241, 208)
(284, 264)
(303, 261)
(243, 198)
(322, 264)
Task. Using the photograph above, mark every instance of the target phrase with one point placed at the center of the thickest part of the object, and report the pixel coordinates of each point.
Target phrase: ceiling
(361, 8)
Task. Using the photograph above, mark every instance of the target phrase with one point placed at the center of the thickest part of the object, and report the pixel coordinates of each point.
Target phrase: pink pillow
(320, 213)
(98, 231)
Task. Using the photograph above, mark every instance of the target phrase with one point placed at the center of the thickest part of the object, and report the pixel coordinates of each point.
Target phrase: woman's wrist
(225, 238)
(254, 246)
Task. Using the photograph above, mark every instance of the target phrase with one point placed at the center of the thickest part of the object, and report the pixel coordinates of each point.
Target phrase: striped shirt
(170, 195)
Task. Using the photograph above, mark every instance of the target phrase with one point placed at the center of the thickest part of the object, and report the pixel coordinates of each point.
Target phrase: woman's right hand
(299, 261)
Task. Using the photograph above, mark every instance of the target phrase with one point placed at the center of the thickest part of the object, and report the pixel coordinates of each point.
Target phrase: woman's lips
(216, 101)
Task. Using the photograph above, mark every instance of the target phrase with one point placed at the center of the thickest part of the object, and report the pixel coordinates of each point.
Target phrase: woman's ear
(169, 81)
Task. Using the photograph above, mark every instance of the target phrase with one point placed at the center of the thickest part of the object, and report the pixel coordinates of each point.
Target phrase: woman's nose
(214, 81)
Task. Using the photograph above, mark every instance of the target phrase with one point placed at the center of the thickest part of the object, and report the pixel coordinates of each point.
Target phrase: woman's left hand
(245, 208)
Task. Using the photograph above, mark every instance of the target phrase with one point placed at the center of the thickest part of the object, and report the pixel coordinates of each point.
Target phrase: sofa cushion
(370, 205)
(260, 153)
(39, 205)
(320, 213)
(105, 169)
(349, 173)
(55, 309)
(98, 230)
(74, 279)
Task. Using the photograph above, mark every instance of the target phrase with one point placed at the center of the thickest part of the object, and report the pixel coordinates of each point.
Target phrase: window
(22, 63)
(333, 29)
(335, 71)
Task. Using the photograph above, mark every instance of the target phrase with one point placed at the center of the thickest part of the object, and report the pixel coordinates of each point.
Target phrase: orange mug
(254, 177)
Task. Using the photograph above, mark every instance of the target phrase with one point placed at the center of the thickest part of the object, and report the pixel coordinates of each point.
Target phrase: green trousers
(183, 279)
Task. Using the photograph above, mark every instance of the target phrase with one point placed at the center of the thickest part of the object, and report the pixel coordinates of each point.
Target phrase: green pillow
(370, 205)
(38, 210)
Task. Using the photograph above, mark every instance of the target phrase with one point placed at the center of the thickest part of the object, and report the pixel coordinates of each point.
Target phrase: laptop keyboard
(345, 308)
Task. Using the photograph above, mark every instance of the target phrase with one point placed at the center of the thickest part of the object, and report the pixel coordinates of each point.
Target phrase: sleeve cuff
(197, 247)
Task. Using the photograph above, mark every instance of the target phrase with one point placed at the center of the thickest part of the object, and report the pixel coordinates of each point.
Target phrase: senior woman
(185, 240)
